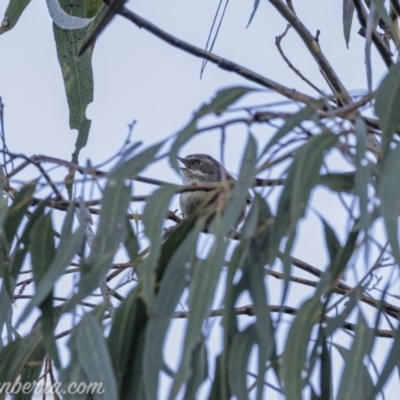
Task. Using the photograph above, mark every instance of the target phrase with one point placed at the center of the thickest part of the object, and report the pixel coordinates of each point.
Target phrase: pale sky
(138, 77)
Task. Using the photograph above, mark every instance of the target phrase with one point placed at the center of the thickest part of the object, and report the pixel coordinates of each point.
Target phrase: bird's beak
(183, 161)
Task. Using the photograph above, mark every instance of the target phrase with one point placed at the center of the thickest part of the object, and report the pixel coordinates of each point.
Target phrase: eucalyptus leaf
(242, 343)
(12, 14)
(125, 343)
(353, 385)
(223, 99)
(389, 192)
(77, 73)
(64, 20)
(294, 356)
(362, 177)
(386, 105)
(94, 357)
(339, 182)
(64, 254)
(153, 219)
(17, 210)
(175, 275)
(16, 356)
(43, 250)
(199, 369)
(392, 360)
(253, 13)
(292, 122)
(381, 10)
(331, 240)
(202, 287)
(348, 12)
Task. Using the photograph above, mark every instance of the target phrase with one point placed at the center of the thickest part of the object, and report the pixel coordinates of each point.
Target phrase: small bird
(202, 169)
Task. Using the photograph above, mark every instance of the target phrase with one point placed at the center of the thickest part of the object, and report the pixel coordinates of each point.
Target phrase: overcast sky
(138, 77)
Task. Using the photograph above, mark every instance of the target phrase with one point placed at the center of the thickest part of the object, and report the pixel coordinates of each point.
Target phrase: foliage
(119, 340)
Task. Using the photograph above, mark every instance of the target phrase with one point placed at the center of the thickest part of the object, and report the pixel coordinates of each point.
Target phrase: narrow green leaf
(112, 225)
(66, 230)
(125, 343)
(13, 12)
(16, 259)
(253, 13)
(386, 105)
(223, 99)
(202, 287)
(339, 263)
(368, 384)
(16, 355)
(5, 304)
(331, 241)
(239, 192)
(305, 170)
(239, 354)
(392, 361)
(265, 334)
(31, 371)
(382, 12)
(294, 356)
(199, 369)
(16, 212)
(42, 249)
(3, 210)
(42, 246)
(337, 322)
(389, 192)
(352, 384)
(302, 177)
(250, 256)
(292, 122)
(94, 357)
(130, 165)
(325, 370)
(229, 319)
(110, 233)
(92, 7)
(73, 373)
(339, 182)
(131, 241)
(362, 173)
(86, 334)
(65, 252)
(153, 220)
(175, 275)
(4, 247)
(218, 384)
(348, 12)
(77, 74)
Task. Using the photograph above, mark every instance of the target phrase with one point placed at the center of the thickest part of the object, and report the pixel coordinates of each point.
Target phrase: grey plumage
(202, 169)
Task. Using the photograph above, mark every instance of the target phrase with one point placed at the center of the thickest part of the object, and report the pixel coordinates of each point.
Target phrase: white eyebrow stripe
(196, 172)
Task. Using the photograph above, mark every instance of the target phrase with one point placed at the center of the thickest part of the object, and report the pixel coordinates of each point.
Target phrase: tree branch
(220, 62)
(249, 310)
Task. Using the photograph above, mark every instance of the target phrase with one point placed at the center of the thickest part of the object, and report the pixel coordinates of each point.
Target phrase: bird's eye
(199, 163)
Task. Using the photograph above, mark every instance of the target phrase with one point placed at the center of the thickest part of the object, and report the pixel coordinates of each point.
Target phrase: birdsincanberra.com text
(42, 387)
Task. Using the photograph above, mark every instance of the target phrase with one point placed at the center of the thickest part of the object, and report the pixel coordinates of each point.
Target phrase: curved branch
(327, 71)
(222, 63)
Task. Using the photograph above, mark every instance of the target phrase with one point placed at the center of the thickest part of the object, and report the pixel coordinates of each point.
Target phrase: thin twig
(250, 311)
(221, 62)
(278, 40)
